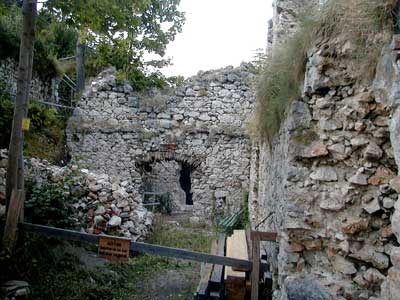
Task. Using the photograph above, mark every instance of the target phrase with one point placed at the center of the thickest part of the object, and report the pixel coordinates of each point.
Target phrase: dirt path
(170, 285)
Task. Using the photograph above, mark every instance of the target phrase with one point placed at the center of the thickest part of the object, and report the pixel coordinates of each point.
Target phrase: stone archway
(169, 173)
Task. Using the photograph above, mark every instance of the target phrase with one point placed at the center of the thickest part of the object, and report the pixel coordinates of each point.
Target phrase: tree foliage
(122, 32)
(118, 33)
(53, 39)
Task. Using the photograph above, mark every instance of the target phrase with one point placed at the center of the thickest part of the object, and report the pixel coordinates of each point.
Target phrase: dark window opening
(75, 138)
(186, 182)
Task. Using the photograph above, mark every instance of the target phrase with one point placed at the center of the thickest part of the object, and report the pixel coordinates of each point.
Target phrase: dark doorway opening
(186, 182)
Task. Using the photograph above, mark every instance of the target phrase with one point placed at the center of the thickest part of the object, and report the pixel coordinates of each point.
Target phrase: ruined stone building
(327, 183)
(189, 143)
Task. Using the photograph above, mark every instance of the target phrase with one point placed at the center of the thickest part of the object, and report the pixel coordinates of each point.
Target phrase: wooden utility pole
(10, 230)
(15, 167)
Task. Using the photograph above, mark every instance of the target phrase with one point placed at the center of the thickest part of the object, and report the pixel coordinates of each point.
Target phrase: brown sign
(113, 248)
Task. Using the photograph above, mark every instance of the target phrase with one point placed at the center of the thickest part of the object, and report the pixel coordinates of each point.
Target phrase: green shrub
(365, 23)
(50, 204)
(46, 137)
(10, 20)
(6, 116)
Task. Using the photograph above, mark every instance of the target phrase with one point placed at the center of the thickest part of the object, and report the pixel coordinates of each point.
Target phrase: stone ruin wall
(328, 185)
(146, 139)
(40, 90)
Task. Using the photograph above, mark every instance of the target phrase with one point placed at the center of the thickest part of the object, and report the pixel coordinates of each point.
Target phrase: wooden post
(255, 271)
(13, 214)
(256, 238)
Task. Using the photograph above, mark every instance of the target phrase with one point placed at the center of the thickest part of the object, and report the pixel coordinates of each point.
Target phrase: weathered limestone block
(305, 289)
(333, 201)
(396, 221)
(300, 116)
(371, 255)
(343, 266)
(324, 174)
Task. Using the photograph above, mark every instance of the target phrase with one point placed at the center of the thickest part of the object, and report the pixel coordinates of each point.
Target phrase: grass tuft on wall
(367, 24)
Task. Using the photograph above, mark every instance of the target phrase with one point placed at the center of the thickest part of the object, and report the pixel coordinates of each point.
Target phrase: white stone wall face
(115, 130)
(328, 184)
(40, 90)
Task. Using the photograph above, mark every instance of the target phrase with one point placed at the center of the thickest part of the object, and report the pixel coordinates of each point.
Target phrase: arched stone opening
(168, 176)
(185, 181)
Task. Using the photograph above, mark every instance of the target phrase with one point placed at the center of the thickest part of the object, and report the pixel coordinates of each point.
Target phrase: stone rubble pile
(106, 204)
(112, 204)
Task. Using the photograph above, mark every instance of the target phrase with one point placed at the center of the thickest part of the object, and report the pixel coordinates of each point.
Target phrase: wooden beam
(190, 255)
(217, 275)
(255, 272)
(63, 234)
(203, 289)
(264, 236)
(235, 278)
(140, 247)
(238, 247)
(13, 213)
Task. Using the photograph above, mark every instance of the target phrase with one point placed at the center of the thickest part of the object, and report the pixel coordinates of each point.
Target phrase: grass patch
(187, 236)
(366, 24)
(305, 136)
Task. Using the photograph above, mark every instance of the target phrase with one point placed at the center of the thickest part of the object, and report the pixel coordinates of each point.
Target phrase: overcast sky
(218, 33)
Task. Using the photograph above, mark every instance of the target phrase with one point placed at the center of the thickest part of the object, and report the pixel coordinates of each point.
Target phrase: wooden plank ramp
(211, 285)
(235, 278)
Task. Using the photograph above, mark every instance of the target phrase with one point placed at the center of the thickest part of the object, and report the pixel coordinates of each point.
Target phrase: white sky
(218, 33)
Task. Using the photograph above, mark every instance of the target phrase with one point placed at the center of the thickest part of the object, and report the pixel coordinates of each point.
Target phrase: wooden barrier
(139, 247)
(255, 266)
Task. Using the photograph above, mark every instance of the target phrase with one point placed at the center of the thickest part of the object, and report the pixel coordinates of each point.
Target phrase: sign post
(114, 248)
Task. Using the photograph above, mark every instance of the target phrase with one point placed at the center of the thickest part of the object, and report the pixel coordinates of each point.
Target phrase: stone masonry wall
(202, 125)
(40, 90)
(328, 185)
(285, 18)
(386, 89)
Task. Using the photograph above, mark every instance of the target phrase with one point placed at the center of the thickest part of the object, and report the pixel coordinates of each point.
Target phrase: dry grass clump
(366, 24)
